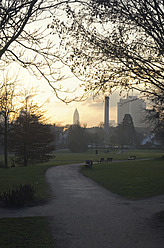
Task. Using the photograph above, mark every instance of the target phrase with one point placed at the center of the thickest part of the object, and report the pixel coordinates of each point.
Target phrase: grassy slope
(128, 179)
(64, 157)
(34, 175)
(25, 233)
(122, 173)
(132, 179)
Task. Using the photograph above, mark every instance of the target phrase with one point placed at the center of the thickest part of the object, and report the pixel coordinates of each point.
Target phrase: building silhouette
(106, 116)
(76, 117)
(135, 107)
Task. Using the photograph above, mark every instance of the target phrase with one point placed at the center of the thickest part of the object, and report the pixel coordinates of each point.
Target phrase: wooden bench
(132, 158)
(88, 164)
(109, 159)
(101, 160)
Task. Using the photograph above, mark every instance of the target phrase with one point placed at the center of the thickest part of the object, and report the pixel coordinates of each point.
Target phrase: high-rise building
(76, 117)
(135, 107)
(106, 116)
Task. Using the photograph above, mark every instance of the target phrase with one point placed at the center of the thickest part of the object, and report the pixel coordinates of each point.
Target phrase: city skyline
(135, 107)
(57, 112)
(90, 112)
(131, 105)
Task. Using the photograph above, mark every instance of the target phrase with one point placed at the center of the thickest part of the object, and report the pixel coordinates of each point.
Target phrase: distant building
(135, 107)
(76, 117)
(106, 115)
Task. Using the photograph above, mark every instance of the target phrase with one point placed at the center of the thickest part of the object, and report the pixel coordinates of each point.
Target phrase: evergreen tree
(126, 134)
(77, 139)
(31, 139)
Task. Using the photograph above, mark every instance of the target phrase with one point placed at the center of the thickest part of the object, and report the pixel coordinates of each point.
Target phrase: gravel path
(83, 214)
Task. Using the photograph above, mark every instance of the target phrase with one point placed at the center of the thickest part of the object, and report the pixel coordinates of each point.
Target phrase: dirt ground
(83, 214)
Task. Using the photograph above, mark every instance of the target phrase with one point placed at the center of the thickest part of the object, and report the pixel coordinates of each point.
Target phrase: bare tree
(7, 109)
(25, 37)
(116, 44)
(108, 44)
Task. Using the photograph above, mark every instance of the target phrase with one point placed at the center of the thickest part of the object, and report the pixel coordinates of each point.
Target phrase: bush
(22, 196)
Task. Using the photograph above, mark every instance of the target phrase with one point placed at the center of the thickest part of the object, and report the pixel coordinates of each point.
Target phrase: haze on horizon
(91, 110)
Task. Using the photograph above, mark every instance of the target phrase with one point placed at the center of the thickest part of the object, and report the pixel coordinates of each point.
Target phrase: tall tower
(76, 117)
(106, 117)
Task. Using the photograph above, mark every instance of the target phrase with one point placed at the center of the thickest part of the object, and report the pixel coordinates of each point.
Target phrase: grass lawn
(34, 175)
(68, 157)
(25, 233)
(111, 176)
(130, 179)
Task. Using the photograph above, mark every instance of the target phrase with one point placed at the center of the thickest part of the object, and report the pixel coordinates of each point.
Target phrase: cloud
(91, 103)
(99, 103)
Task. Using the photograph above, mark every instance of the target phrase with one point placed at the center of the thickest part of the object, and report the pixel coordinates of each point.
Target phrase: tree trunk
(6, 143)
(25, 155)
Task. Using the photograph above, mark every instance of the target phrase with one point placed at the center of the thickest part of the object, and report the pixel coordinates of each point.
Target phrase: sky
(91, 112)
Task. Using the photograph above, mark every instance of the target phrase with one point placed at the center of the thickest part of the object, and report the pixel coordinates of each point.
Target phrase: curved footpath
(83, 214)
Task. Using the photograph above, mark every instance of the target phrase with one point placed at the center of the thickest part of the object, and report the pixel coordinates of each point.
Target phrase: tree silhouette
(31, 139)
(26, 38)
(116, 44)
(77, 139)
(7, 108)
(126, 134)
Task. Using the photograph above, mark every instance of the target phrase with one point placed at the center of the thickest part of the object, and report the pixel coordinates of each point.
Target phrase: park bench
(88, 164)
(109, 159)
(101, 160)
(132, 158)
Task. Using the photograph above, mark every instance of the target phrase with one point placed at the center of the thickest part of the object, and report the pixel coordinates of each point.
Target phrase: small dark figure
(12, 162)
(96, 152)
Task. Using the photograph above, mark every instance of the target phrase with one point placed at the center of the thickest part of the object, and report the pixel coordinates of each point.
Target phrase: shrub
(22, 196)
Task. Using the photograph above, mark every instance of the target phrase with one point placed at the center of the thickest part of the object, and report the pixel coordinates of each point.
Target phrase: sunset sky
(91, 111)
